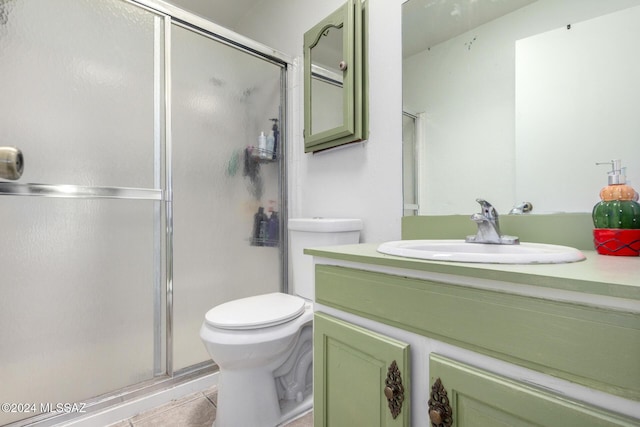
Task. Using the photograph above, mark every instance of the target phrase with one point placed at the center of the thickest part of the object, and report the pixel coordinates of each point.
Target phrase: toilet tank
(311, 233)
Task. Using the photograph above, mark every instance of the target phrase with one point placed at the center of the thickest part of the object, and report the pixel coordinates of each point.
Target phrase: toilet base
(239, 389)
(247, 398)
(290, 410)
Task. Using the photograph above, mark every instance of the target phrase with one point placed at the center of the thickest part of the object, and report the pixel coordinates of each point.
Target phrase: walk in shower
(135, 212)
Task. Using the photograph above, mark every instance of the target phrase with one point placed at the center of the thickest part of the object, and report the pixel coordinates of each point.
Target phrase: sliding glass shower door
(136, 210)
(222, 99)
(79, 268)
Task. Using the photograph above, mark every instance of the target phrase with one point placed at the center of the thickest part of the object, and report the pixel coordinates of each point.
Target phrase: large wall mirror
(517, 99)
(335, 79)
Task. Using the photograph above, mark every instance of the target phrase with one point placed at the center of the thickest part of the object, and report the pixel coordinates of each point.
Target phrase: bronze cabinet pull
(440, 412)
(394, 390)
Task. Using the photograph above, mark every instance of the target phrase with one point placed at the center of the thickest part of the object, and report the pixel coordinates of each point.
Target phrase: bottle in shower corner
(271, 146)
(262, 146)
(273, 230)
(260, 222)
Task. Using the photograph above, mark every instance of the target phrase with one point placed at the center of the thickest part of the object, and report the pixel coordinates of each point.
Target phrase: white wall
(362, 180)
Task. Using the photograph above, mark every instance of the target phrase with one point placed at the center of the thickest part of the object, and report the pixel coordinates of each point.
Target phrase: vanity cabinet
(476, 398)
(361, 378)
(517, 347)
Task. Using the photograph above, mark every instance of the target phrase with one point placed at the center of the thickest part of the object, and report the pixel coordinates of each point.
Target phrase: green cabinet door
(478, 398)
(354, 372)
(335, 79)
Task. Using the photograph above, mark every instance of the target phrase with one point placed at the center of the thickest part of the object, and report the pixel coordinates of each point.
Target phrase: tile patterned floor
(194, 410)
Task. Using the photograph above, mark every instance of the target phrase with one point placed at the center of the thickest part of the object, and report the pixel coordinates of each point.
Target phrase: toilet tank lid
(325, 225)
(260, 311)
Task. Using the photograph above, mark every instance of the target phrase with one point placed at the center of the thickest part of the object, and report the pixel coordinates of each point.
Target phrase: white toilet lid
(256, 312)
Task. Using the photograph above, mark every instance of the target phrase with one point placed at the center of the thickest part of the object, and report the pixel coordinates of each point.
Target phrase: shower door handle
(11, 163)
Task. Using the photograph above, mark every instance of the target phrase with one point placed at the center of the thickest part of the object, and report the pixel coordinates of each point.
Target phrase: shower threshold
(130, 401)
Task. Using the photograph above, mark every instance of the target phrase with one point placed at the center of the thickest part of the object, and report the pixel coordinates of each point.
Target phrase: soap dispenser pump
(617, 216)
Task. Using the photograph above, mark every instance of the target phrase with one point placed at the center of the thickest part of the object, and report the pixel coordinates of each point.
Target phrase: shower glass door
(222, 98)
(80, 269)
(136, 210)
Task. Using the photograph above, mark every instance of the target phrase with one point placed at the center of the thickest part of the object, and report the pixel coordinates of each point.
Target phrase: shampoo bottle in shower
(273, 229)
(259, 228)
(262, 146)
(271, 145)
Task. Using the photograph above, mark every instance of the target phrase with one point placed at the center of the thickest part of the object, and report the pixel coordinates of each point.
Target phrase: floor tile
(304, 421)
(195, 411)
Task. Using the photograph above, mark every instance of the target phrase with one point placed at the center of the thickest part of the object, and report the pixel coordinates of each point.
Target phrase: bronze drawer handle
(394, 390)
(440, 412)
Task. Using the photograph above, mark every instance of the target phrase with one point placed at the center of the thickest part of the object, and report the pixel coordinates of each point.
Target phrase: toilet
(263, 344)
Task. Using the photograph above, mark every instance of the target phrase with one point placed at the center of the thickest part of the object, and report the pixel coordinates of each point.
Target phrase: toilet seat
(257, 312)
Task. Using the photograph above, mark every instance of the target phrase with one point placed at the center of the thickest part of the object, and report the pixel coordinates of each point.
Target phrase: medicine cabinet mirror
(335, 79)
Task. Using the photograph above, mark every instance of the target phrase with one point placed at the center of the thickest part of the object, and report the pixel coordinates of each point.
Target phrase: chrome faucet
(489, 227)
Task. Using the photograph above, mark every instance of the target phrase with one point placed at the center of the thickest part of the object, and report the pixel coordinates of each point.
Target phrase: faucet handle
(488, 210)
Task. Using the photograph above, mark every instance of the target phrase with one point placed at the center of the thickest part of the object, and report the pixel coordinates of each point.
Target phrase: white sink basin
(461, 251)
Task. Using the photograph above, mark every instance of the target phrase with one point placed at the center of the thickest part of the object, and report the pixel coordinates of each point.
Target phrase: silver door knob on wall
(11, 163)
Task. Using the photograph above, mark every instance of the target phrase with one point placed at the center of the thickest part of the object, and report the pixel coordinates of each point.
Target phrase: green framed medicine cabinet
(335, 79)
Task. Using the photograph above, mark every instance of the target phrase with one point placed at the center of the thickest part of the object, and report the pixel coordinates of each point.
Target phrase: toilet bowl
(263, 344)
(249, 352)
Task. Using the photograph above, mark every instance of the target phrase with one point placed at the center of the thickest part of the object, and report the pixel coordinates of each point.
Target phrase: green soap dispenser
(617, 216)
(618, 207)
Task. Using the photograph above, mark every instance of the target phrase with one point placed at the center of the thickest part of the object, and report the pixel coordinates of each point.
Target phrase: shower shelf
(78, 191)
(263, 156)
(269, 243)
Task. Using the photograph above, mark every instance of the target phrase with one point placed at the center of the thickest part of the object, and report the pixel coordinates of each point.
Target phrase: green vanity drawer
(596, 347)
(478, 398)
